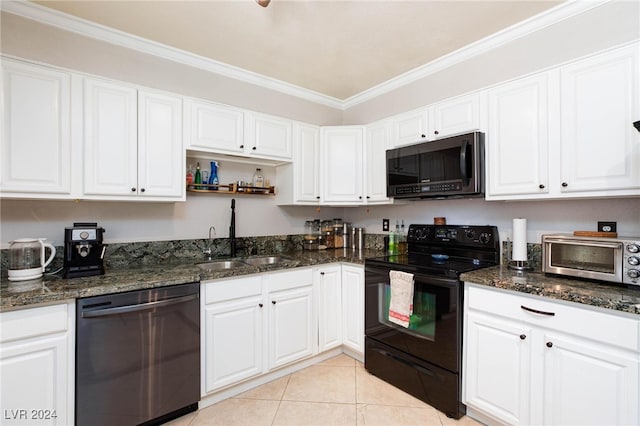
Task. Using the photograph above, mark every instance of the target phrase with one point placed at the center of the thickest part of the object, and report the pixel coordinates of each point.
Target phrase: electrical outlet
(607, 226)
(385, 225)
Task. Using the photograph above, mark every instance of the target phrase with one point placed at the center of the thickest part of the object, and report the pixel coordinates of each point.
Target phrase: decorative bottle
(198, 177)
(213, 177)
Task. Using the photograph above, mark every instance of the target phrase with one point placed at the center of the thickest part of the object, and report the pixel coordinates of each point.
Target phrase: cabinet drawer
(602, 327)
(219, 291)
(290, 279)
(33, 322)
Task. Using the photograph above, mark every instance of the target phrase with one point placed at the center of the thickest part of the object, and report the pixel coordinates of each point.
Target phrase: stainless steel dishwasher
(138, 356)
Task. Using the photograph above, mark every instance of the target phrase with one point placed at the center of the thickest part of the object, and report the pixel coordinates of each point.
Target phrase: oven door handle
(138, 307)
(404, 361)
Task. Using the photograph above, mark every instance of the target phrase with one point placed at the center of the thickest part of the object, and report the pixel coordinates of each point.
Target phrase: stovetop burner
(446, 250)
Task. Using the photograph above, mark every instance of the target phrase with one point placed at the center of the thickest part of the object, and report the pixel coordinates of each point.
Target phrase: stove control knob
(633, 260)
(633, 248)
(470, 233)
(633, 273)
(485, 237)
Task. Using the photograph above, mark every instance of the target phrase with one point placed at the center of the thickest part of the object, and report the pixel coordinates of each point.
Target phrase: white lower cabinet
(232, 334)
(292, 316)
(353, 308)
(555, 365)
(37, 365)
(328, 281)
(255, 324)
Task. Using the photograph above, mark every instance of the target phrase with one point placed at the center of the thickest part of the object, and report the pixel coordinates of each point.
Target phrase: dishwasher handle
(138, 307)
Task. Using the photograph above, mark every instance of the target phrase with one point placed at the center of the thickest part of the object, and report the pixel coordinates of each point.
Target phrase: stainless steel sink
(221, 265)
(265, 260)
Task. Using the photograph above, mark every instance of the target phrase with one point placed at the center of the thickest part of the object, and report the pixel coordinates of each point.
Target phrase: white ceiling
(335, 48)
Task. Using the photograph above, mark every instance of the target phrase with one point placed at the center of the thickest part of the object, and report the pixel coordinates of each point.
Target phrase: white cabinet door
(35, 151)
(234, 345)
(232, 331)
(377, 142)
(585, 384)
(497, 368)
(329, 306)
(110, 139)
(353, 307)
(161, 157)
(599, 101)
(306, 166)
(518, 138)
(411, 128)
(291, 330)
(36, 365)
(269, 137)
(456, 115)
(342, 164)
(214, 128)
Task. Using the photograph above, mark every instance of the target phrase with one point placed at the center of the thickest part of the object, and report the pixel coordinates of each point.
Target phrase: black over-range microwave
(448, 167)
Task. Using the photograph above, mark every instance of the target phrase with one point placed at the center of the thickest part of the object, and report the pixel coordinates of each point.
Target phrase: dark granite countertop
(54, 289)
(590, 293)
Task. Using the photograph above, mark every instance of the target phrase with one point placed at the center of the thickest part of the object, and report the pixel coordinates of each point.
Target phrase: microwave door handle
(464, 161)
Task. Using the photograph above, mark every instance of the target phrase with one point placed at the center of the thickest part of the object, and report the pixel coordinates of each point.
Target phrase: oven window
(588, 258)
(423, 320)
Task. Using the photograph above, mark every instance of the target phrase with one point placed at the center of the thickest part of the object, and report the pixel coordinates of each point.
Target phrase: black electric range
(425, 357)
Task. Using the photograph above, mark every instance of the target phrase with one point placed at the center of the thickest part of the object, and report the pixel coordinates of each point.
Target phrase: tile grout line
(275, 415)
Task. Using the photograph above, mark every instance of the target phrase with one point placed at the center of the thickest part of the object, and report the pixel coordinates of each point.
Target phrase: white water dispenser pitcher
(26, 256)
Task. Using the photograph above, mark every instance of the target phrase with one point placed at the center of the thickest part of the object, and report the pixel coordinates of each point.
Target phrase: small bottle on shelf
(198, 177)
(258, 179)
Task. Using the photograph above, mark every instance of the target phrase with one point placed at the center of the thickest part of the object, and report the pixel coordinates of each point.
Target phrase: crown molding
(100, 32)
(521, 29)
(90, 29)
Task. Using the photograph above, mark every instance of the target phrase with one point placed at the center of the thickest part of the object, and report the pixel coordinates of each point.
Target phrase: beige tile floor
(336, 392)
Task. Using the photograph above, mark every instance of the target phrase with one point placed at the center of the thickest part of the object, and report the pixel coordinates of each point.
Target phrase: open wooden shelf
(231, 188)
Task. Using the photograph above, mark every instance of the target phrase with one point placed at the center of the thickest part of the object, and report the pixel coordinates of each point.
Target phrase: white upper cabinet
(111, 140)
(299, 181)
(518, 138)
(342, 152)
(130, 143)
(160, 145)
(269, 137)
(213, 127)
(35, 151)
(378, 140)
(567, 132)
(599, 102)
(225, 130)
(456, 115)
(410, 128)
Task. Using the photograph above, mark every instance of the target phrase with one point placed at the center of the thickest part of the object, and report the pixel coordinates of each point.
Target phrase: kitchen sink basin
(265, 260)
(221, 265)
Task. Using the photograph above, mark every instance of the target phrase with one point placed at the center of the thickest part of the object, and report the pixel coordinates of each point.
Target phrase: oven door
(434, 332)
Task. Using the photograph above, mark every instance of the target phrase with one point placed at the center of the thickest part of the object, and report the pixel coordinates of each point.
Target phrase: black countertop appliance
(83, 250)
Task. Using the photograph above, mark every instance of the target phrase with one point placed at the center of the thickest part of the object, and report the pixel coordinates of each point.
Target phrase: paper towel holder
(518, 265)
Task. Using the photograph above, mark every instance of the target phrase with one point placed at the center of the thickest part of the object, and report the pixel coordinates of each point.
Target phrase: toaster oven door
(597, 260)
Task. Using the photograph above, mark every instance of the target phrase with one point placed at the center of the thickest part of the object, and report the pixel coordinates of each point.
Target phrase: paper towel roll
(519, 252)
